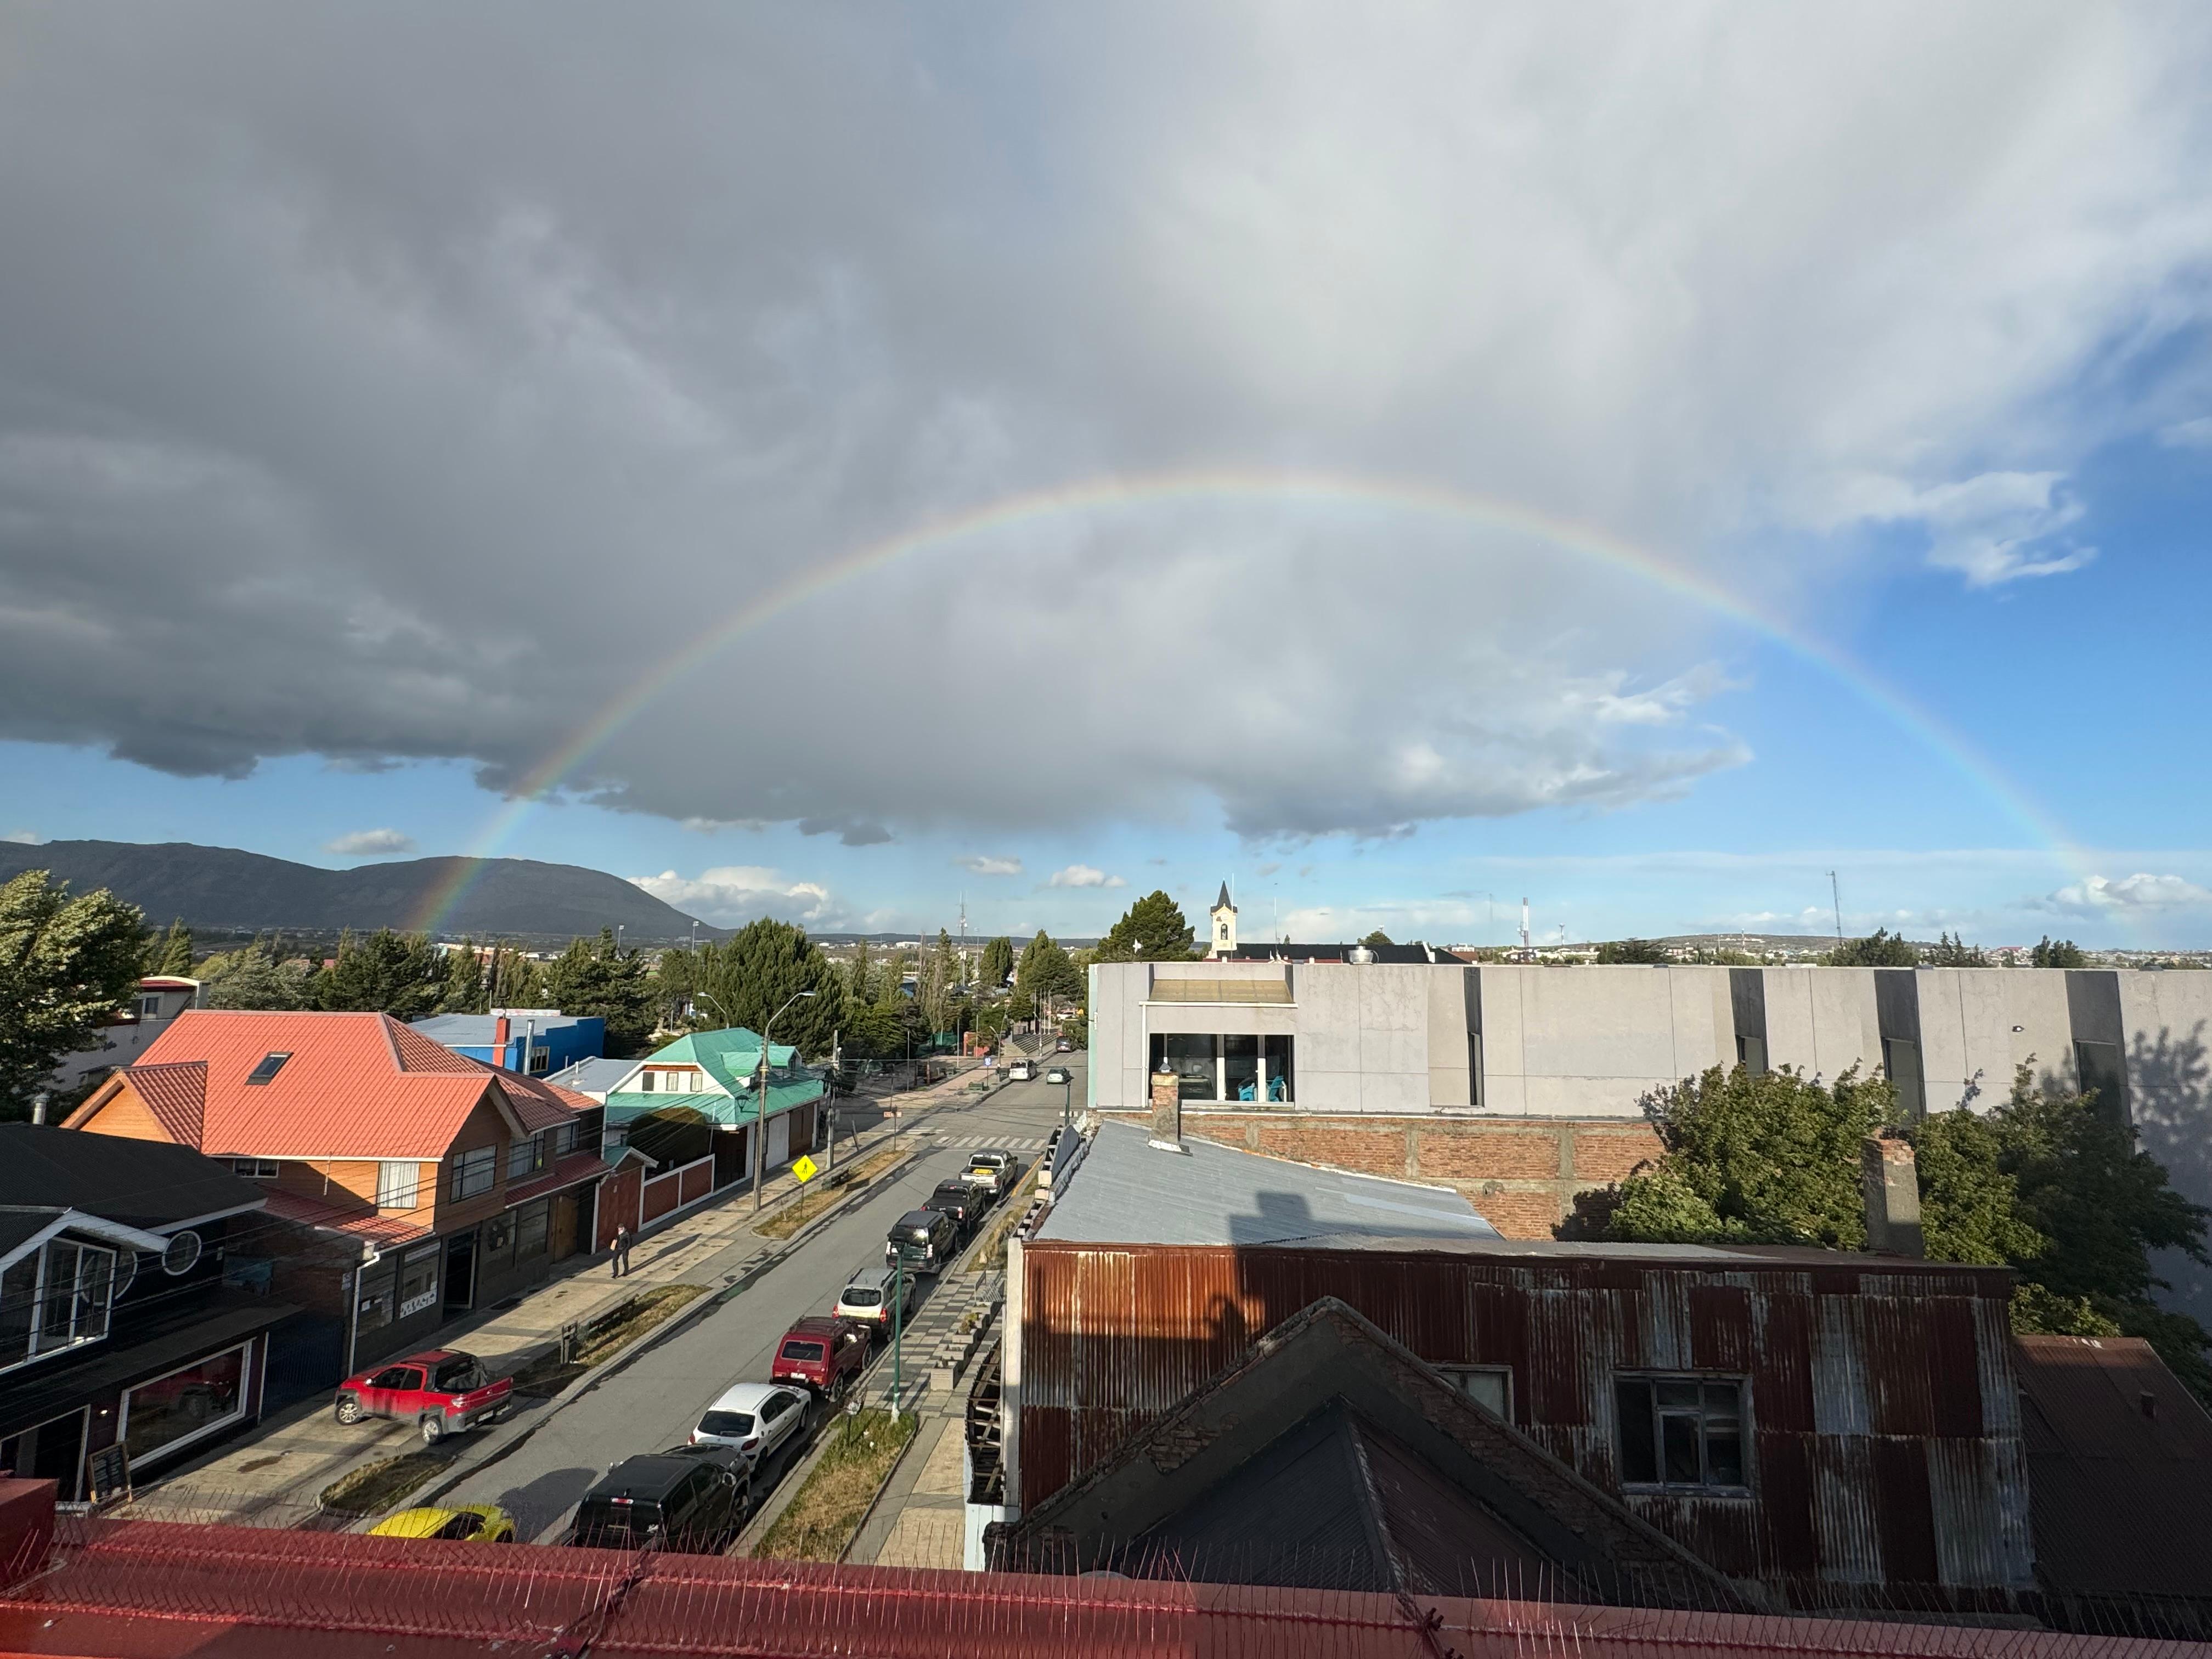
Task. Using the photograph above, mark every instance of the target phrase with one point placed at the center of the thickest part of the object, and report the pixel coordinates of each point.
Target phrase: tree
(858, 987)
(1952, 951)
(997, 962)
(465, 992)
(1047, 972)
(1880, 949)
(394, 974)
(2065, 953)
(1631, 951)
(65, 965)
(594, 977)
(253, 977)
(1154, 929)
(172, 953)
(755, 972)
(1378, 937)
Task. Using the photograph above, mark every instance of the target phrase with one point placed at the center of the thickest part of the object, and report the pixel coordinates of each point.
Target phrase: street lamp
(760, 1113)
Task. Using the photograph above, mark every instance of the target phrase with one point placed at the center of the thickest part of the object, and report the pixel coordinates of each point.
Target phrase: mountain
(219, 888)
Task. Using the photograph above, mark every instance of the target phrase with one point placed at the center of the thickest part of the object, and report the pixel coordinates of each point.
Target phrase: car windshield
(608, 1525)
(862, 1296)
(726, 1424)
(803, 1349)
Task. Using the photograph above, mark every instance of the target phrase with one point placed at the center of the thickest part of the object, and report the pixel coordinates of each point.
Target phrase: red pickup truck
(442, 1392)
(827, 1354)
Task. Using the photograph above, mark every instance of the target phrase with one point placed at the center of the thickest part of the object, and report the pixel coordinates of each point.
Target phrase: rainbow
(1118, 492)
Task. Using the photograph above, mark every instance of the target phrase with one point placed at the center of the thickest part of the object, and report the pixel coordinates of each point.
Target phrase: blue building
(532, 1041)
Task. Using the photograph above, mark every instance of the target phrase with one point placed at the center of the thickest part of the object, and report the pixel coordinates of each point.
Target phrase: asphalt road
(653, 1401)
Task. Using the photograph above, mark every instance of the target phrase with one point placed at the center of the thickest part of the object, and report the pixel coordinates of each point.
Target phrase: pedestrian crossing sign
(805, 1168)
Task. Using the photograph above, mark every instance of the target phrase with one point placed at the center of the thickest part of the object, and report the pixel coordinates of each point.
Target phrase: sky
(847, 462)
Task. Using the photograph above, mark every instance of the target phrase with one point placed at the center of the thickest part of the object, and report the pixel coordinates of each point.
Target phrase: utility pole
(1835, 894)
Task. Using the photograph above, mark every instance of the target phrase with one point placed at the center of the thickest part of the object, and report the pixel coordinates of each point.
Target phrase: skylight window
(270, 1065)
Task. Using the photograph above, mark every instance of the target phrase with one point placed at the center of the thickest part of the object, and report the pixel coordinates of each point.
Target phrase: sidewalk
(273, 1476)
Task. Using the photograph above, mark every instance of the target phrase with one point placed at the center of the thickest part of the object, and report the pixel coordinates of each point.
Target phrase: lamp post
(760, 1113)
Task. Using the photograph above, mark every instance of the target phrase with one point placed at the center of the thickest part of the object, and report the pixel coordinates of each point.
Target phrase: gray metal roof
(1127, 1191)
(594, 1076)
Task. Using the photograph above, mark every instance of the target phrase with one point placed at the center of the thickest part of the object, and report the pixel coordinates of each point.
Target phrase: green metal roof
(731, 1057)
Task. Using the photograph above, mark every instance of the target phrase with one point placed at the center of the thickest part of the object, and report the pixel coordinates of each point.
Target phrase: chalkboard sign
(110, 1468)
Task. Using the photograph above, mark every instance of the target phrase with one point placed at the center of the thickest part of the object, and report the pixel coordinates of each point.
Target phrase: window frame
(1459, 1376)
(255, 1169)
(237, 1415)
(468, 1165)
(391, 1193)
(265, 1069)
(1659, 1412)
(525, 1156)
(38, 1344)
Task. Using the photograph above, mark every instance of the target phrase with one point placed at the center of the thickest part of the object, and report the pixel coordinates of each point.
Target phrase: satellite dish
(182, 1254)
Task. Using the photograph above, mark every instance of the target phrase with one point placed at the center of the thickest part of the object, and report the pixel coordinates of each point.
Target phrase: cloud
(24, 838)
(2188, 434)
(1082, 875)
(2137, 894)
(983, 864)
(355, 408)
(729, 895)
(371, 844)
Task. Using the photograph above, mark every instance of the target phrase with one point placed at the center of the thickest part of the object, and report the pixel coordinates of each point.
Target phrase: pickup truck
(441, 1391)
(826, 1355)
(993, 1170)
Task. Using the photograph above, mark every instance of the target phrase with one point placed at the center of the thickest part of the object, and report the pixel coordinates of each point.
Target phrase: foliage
(595, 976)
(2065, 953)
(1756, 1157)
(65, 965)
(1880, 949)
(761, 968)
(1631, 951)
(1952, 952)
(466, 991)
(1378, 937)
(997, 962)
(252, 976)
(1154, 928)
(935, 992)
(878, 1031)
(1047, 972)
(172, 953)
(395, 974)
(858, 986)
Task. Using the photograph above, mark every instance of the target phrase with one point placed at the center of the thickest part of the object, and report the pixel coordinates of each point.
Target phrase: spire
(1222, 904)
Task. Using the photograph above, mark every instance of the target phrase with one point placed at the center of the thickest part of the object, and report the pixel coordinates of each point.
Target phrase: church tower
(1224, 917)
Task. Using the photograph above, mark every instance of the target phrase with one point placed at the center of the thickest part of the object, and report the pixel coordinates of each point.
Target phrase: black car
(959, 1200)
(929, 1239)
(694, 1499)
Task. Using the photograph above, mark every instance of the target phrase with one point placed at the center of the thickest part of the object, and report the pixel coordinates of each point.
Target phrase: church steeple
(1224, 918)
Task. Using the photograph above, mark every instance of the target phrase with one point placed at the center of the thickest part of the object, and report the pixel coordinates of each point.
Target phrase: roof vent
(270, 1065)
(1360, 954)
(2150, 1408)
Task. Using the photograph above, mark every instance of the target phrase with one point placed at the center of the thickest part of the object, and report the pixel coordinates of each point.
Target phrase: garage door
(779, 1140)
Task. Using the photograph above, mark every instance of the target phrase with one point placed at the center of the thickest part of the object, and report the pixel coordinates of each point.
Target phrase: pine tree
(1154, 929)
(395, 974)
(464, 991)
(174, 955)
(997, 962)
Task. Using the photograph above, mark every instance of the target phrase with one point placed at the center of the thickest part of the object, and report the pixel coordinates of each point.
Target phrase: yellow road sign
(805, 1168)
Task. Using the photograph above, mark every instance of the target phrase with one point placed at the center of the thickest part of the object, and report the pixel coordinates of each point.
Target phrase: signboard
(109, 1470)
(415, 1304)
(805, 1168)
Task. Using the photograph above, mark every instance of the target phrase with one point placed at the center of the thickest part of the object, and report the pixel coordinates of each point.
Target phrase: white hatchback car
(759, 1419)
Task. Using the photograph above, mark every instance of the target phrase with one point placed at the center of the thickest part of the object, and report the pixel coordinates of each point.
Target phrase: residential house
(128, 1033)
(432, 1184)
(535, 1041)
(121, 1325)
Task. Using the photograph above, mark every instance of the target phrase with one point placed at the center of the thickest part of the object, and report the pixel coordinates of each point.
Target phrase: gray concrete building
(1433, 1044)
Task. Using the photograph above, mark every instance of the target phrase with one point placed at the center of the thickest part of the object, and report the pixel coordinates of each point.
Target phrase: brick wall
(1521, 1173)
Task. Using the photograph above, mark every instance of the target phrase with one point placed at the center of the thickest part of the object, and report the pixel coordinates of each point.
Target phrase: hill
(220, 888)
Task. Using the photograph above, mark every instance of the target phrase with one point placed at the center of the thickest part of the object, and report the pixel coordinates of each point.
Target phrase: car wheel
(433, 1429)
(349, 1410)
(745, 1503)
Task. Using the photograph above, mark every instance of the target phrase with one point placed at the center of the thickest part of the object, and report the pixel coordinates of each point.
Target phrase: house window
(257, 1169)
(525, 1157)
(1210, 1068)
(530, 1228)
(564, 1139)
(418, 1280)
(373, 1306)
(541, 1062)
(1681, 1432)
(270, 1064)
(161, 1416)
(396, 1184)
(55, 1298)
(1489, 1385)
(474, 1171)
(149, 1007)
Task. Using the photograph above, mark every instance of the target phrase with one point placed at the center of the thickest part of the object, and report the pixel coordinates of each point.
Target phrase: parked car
(1021, 1071)
(826, 1355)
(476, 1523)
(868, 1298)
(928, 1238)
(442, 1392)
(1057, 1074)
(692, 1499)
(761, 1419)
(994, 1170)
(959, 1200)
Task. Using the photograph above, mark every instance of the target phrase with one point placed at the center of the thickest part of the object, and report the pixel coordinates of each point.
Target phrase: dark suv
(929, 1239)
(959, 1200)
(693, 1499)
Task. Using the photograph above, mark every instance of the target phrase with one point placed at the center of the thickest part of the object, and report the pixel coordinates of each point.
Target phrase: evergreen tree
(2065, 953)
(1154, 929)
(395, 974)
(1631, 951)
(595, 977)
(252, 976)
(173, 954)
(464, 991)
(1045, 972)
(997, 962)
(1880, 949)
(935, 992)
(755, 972)
(1952, 952)
(859, 989)
(65, 965)
(1378, 937)
(675, 978)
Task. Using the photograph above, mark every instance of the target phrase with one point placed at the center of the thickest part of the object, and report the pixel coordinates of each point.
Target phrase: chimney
(1892, 1180)
(1167, 1112)
(499, 1030)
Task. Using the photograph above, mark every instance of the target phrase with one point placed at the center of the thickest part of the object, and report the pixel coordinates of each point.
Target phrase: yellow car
(478, 1524)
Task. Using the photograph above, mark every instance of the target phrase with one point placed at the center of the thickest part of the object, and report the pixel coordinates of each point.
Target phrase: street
(653, 1401)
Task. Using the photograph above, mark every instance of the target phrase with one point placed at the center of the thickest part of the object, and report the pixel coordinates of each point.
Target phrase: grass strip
(990, 1257)
(546, 1374)
(820, 1524)
(375, 1487)
(788, 1220)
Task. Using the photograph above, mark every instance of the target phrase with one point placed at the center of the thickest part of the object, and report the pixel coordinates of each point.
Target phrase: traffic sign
(805, 1168)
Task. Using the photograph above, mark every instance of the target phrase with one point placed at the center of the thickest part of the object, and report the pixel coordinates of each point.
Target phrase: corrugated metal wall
(1883, 1416)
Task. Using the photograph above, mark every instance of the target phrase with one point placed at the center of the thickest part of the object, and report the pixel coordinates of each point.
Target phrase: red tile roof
(566, 1172)
(356, 1086)
(358, 1221)
(177, 1096)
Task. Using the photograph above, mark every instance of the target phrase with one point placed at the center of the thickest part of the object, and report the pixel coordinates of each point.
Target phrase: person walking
(620, 1259)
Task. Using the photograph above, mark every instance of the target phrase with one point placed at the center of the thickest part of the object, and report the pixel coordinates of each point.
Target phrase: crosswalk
(1012, 1143)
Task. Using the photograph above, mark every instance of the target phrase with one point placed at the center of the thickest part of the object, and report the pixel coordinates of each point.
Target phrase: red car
(827, 1354)
(442, 1392)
